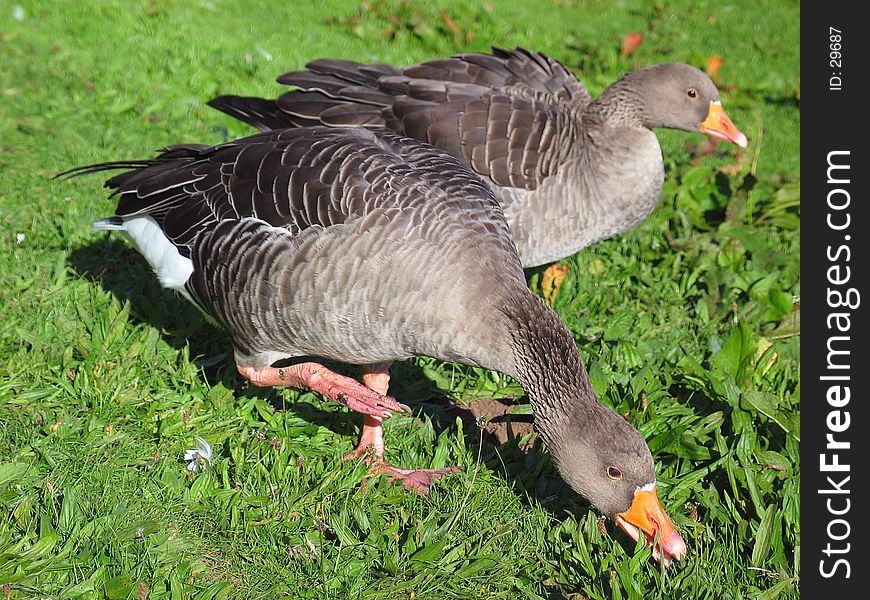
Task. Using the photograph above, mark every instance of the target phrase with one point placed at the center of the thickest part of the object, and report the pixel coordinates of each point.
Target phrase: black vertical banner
(835, 268)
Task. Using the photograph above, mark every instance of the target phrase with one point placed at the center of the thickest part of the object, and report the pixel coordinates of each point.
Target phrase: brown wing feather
(508, 115)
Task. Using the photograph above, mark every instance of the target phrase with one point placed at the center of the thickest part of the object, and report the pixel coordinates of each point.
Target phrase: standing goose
(367, 248)
(567, 171)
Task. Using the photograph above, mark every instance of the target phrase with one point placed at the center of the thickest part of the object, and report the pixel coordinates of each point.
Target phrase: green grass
(688, 326)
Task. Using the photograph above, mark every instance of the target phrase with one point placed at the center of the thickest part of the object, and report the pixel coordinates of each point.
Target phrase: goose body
(566, 169)
(366, 248)
(350, 232)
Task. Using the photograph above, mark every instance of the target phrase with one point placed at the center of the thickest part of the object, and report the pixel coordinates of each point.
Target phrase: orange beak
(647, 515)
(718, 125)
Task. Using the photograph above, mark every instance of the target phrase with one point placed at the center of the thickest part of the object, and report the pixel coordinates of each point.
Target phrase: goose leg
(377, 379)
(317, 378)
(371, 443)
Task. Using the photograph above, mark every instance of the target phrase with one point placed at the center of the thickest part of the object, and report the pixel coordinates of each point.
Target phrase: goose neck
(619, 105)
(548, 365)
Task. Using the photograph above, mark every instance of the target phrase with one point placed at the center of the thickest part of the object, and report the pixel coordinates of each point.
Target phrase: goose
(568, 171)
(362, 247)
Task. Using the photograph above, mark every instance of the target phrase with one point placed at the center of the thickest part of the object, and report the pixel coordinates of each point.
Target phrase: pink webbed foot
(317, 378)
(370, 399)
(371, 450)
(417, 480)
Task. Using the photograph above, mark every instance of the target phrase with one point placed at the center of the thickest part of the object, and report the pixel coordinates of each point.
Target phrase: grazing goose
(367, 248)
(568, 171)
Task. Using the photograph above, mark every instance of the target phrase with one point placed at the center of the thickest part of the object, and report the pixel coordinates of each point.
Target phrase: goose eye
(614, 473)
(692, 93)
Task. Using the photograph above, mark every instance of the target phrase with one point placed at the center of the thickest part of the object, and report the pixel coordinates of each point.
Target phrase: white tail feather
(171, 268)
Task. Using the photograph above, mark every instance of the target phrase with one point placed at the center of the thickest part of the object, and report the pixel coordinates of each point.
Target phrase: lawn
(689, 326)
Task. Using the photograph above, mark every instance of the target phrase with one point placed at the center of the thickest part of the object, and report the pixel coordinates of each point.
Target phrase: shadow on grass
(121, 270)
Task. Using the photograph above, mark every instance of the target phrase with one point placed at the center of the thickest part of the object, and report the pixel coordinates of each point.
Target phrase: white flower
(19, 238)
(199, 457)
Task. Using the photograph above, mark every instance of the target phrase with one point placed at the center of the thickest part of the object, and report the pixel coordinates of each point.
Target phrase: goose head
(596, 451)
(676, 96)
(606, 460)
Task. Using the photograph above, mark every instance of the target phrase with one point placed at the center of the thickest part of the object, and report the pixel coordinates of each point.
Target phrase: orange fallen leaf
(714, 63)
(630, 42)
(450, 23)
(551, 280)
